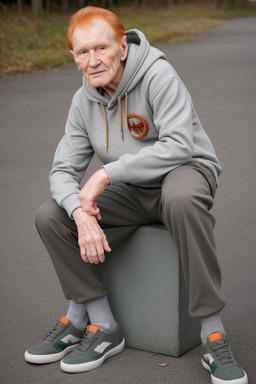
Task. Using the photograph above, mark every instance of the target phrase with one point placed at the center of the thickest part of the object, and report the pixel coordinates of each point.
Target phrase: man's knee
(185, 190)
(177, 201)
(45, 215)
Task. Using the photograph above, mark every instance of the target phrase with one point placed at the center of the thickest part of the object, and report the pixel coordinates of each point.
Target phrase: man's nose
(93, 59)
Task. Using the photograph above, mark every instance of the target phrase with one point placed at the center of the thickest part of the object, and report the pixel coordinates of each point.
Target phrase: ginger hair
(88, 14)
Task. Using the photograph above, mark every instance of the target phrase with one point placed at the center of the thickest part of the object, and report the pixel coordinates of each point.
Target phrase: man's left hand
(91, 190)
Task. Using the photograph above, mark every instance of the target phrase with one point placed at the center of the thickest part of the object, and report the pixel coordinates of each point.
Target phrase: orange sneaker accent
(215, 336)
(92, 328)
(64, 320)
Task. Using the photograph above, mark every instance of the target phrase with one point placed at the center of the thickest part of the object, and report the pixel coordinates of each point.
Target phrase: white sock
(211, 324)
(100, 314)
(77, 315)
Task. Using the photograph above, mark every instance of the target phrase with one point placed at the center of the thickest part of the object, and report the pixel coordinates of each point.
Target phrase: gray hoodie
(147, 128)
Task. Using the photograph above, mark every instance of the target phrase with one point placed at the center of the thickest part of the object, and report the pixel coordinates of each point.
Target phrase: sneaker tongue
(64, 320)
(215, 336)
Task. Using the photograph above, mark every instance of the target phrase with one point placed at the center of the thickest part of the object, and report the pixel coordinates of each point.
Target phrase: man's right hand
(91, 238)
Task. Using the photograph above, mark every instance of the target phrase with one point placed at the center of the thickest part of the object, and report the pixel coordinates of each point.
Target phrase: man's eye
(102, 48)
(83, 52)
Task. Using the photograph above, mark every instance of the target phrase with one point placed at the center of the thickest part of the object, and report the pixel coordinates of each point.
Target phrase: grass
(30, 45)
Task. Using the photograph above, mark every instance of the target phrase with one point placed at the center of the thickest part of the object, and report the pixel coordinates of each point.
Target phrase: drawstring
(120, 119)
(126, 111)
(106, 128)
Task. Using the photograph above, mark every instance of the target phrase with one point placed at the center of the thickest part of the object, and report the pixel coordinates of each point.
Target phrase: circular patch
(137, 126)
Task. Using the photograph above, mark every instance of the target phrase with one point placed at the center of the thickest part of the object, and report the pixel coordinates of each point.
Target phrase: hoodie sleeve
(172, 115)
(71, 160)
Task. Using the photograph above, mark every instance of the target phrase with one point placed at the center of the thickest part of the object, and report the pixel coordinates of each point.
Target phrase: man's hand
(91, 238)
(91, 190)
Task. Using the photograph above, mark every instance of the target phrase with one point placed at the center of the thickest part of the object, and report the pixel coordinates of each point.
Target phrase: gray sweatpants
(183, 204)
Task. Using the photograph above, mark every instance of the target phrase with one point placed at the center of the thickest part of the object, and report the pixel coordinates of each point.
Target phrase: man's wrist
(77, 211)
(105, 176)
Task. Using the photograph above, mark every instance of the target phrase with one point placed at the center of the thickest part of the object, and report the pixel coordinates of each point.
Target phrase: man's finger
(96, 254)
(93, 209)
(83, 254)
(100, 253)
(106, 245)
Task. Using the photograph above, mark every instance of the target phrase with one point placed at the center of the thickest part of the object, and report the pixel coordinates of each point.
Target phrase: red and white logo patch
(137, 126)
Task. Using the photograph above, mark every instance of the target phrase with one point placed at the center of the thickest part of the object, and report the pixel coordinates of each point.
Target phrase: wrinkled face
(98, 56)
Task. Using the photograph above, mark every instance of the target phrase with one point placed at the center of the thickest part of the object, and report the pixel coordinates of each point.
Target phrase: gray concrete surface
(219, 69)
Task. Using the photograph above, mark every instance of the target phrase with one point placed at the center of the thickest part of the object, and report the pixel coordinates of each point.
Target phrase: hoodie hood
(140, 58)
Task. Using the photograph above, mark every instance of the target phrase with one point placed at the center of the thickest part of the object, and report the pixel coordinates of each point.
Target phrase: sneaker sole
(44, 359)
(78, 368)
(242, 380)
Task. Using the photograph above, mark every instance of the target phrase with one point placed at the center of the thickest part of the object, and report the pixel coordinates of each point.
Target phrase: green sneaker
(62, 339)
(94, 349)
(218, 359)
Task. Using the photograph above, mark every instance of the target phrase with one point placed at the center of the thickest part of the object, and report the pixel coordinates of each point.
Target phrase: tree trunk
(19, 4)
(107, 4)
(37, 8)
(48, 7)
(64, 7)
(135, 4)
(138, 3)
(81, 3)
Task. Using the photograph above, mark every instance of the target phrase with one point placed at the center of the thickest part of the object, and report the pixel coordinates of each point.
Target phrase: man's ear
(124, 47)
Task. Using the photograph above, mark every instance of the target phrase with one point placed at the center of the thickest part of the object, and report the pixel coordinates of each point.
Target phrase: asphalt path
(219, 69)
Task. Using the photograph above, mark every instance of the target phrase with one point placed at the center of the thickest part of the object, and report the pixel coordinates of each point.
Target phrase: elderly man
(134, 112)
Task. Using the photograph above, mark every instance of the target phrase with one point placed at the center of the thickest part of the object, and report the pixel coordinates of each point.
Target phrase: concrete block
(147, 293)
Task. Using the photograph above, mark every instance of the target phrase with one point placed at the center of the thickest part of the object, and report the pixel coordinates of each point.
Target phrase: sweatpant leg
(187, 197)
(79, 281)
(121, 215)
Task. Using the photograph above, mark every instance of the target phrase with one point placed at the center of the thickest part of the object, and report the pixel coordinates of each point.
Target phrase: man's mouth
(96, 73)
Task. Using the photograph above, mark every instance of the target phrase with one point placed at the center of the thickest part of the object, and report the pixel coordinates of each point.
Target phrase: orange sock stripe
(215, 336)
(64, 320)
(92, 328)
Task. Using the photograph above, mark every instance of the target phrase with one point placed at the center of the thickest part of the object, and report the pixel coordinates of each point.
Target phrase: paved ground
(219, 68)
